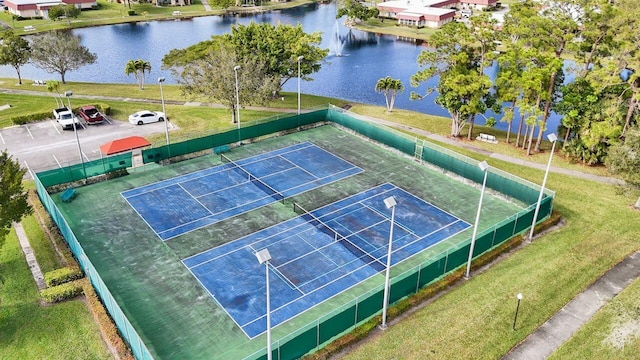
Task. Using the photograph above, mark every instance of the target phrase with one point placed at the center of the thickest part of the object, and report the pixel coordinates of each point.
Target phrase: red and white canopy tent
(125, 144)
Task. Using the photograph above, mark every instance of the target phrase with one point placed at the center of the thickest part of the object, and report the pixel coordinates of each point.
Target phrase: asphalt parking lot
(44, 145)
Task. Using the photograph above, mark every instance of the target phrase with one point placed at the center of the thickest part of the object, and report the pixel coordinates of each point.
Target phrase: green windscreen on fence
(343, 318)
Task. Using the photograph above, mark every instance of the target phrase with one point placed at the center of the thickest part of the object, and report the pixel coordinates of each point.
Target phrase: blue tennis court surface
(318, 255)
(175, 206)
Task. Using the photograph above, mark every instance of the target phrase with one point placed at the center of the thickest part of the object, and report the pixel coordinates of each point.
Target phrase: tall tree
(511, 64)
(13, 198)
(484, 41)
(389, 88)
(54, 86)
(462, 89)
(14, 51)
(278, 48)
(60, 51)
(137, 68)
(212, 75)
(624, 159)
(355, 11)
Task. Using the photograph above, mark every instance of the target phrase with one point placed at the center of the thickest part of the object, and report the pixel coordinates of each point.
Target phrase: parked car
(90, 114)
(146, 116)
(65, 118)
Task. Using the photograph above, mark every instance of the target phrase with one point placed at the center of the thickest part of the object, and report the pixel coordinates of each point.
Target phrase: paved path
(561, 326)
(31, 257)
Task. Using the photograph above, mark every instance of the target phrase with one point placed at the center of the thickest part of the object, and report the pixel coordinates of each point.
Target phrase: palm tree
(390, 88)
(137, 68)
(54, 86)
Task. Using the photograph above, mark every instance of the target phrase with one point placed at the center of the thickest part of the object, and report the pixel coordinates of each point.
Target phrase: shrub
(107, 327)
(131, 12)
(62, 292)
(29, 118)
(63, 275)
(104, 108)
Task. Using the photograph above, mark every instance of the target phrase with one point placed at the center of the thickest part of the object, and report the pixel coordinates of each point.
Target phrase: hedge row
(107, 326)
(62, 275)
(424, 294)
(35, 117)
(62, 292)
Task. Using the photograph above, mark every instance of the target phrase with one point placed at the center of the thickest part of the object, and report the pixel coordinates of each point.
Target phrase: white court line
(56, 159)
(29, 131)
(53, 123)
(1, 138)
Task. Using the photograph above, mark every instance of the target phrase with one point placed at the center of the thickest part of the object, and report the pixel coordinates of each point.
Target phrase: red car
(90, 114)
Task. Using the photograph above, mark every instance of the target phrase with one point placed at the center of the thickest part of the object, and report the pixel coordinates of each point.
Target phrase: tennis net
(254, 180)
(356, 250)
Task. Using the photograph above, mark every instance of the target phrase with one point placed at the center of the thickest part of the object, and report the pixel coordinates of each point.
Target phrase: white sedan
(146, 116)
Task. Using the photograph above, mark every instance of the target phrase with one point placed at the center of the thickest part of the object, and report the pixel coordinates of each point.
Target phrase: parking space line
(1, 138)
(29, 131)
(108, 120)
(85, 156)
(29, 170)
(54, 126)
(57, 162)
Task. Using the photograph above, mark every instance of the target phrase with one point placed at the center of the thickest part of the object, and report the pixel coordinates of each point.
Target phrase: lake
(350, 72)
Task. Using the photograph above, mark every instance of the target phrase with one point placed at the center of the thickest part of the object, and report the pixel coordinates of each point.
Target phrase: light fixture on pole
(75, 123)
(553, 138)
(299, 60)
(263, 258)
(164, 110)
(390, 203)
(485, 168)
(519, 296)
(235, 69)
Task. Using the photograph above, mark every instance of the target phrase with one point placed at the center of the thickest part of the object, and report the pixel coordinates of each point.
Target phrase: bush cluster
(62, 275)
(29, 118)
(62, 292)
(107, 327)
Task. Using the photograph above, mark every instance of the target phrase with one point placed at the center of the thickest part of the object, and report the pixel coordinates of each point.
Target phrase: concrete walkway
(30, 256)
(555, 331)
(566, 322)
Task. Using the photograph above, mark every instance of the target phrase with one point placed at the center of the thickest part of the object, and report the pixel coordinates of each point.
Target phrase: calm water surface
(364, 57)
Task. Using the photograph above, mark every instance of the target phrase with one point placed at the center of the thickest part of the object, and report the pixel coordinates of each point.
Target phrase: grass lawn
(475, 321)
(29, 330)
(472, 322)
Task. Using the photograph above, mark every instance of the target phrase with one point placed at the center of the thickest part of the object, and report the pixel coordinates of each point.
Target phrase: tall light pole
(235, 69)
(484, 167)
(164, 110)
(68, 94)
(553, 138)
(390, 203)
(263, 258)
(299, 60)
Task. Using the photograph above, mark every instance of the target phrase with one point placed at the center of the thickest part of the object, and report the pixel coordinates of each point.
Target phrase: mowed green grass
(29, 330)
(475, 320)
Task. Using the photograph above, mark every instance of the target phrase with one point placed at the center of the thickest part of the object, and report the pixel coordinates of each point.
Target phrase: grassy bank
(29, 330)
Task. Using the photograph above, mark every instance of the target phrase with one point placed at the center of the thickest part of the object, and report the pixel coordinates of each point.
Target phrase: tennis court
(318, 254)
(185, 203)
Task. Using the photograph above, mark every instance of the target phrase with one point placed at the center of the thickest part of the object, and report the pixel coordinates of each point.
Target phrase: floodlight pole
(299, 60)
(263, 258)
(515, 318)
(485, 168)
(390, 203)
(68, 94)
(164, 110)
(553, 138)
(235, 70)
